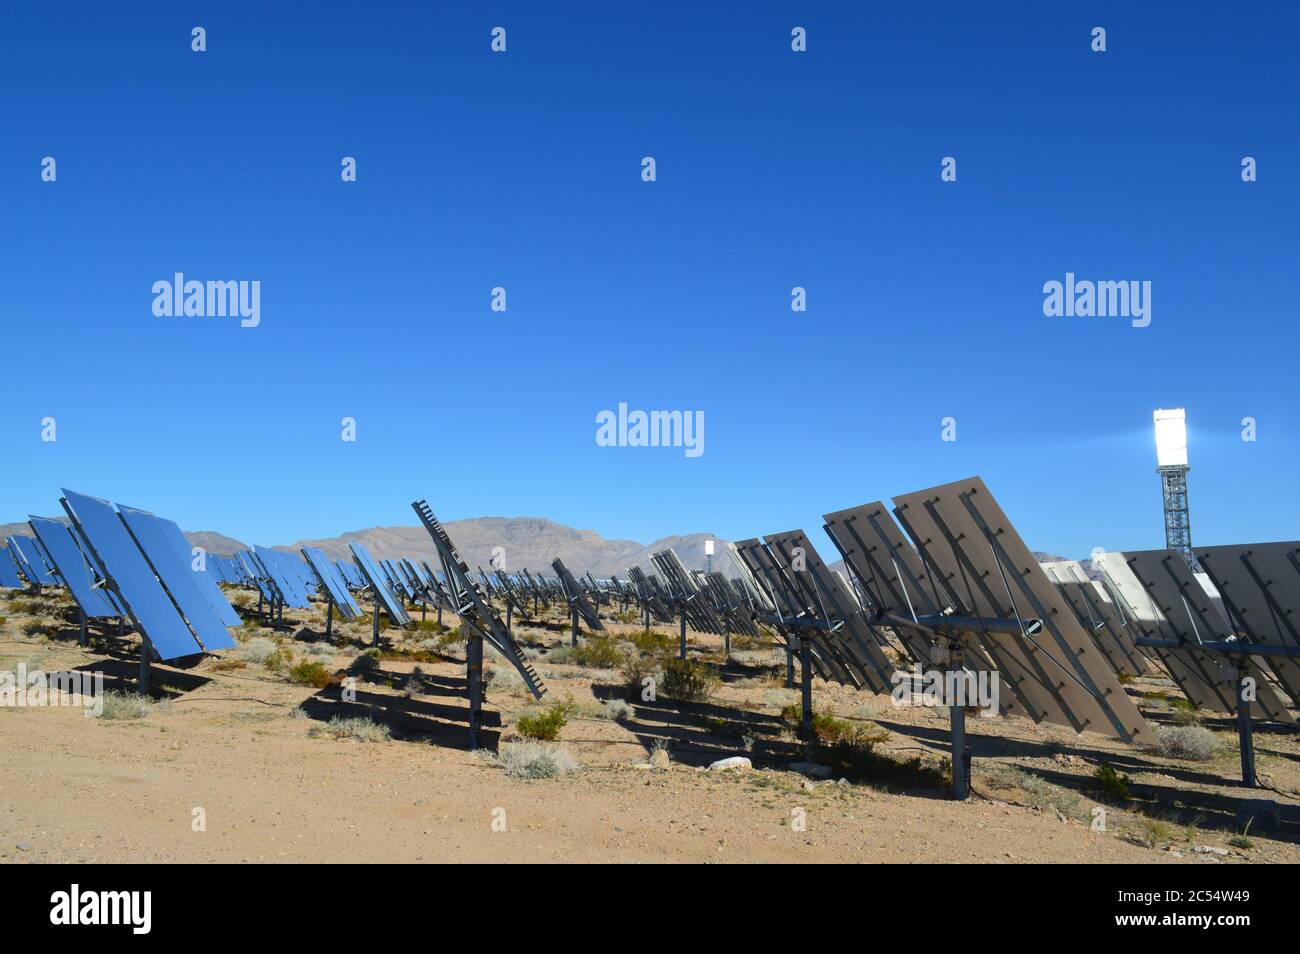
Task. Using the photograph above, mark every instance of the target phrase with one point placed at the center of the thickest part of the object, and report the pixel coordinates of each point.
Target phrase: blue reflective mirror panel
(48, 560)
(375, 579)
(77, 572)
(332, 582)
(289, 589)
(84, 547)
(295, 572)
(204, 580)
(396, 584)
(172, 566)
(29, 560)
(129, 573)
(9, 570)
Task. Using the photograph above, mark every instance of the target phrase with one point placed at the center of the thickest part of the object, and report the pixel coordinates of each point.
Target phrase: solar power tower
(479, 619)
(1171, 460)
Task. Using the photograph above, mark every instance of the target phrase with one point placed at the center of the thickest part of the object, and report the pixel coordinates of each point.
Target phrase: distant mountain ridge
(529, 543)
(526, 543)
(210, 540)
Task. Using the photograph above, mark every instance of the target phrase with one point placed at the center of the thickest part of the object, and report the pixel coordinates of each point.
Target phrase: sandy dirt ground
(237, 763)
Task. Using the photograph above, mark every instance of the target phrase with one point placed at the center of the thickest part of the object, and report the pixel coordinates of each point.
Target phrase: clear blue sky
(775, 169)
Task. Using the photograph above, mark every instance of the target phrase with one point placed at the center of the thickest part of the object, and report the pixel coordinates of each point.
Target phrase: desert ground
(255, 755)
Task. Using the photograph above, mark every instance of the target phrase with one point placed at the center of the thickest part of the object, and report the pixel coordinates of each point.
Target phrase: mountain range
(526, 543)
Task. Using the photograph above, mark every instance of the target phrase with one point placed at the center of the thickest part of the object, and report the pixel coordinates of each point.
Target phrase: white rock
(1209, 850)
(735, 762)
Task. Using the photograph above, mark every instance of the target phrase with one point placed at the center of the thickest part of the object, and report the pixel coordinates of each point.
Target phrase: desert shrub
(257, 650)
(534, 760)
(1193, 743)
(310, 673)
(780, 698)
(616, 710)
(431, 626)
(276, 661)
(1156, 832)
(449, 640)
(1038, 792)
(634, 670)
(829, 729)
(367, 661)
(545, 725)
(359, 730)
(594, 652)
(225, 665)
(652, 642)
(1112, 783)
(505, 680)
(126, 705)
(34, 627)
(687, 680)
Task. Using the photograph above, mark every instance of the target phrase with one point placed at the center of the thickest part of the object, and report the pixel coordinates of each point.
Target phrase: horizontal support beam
(939, 623)
(1226, 647)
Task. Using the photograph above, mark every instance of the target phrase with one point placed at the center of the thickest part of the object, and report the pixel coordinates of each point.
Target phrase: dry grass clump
(1037, 791)
(1192, 743)
(356, 729)
(532, 760)
(687, 680)
(126, 705)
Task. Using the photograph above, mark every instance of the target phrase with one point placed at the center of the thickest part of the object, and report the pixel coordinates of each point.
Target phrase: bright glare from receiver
(1171, 437)
(708, 548)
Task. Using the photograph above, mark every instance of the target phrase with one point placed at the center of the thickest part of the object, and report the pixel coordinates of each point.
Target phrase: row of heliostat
(1062, 639)
(127, 563)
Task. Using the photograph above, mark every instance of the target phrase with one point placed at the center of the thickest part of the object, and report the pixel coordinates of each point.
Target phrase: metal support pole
(961, 760)
(439, 615)
(726, 642)
(474, 685)
(423, 608)
(510, 615)
(259, 605)
(1245, 730)
(805, 685)
(574, 611)
(82, 636)
(789, 666)
(146, 650)
(329, 616)
(682, 612)
(279, 613)
(374, 626)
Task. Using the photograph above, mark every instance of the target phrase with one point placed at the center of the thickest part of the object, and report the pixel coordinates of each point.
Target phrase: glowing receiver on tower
(1171, 437)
